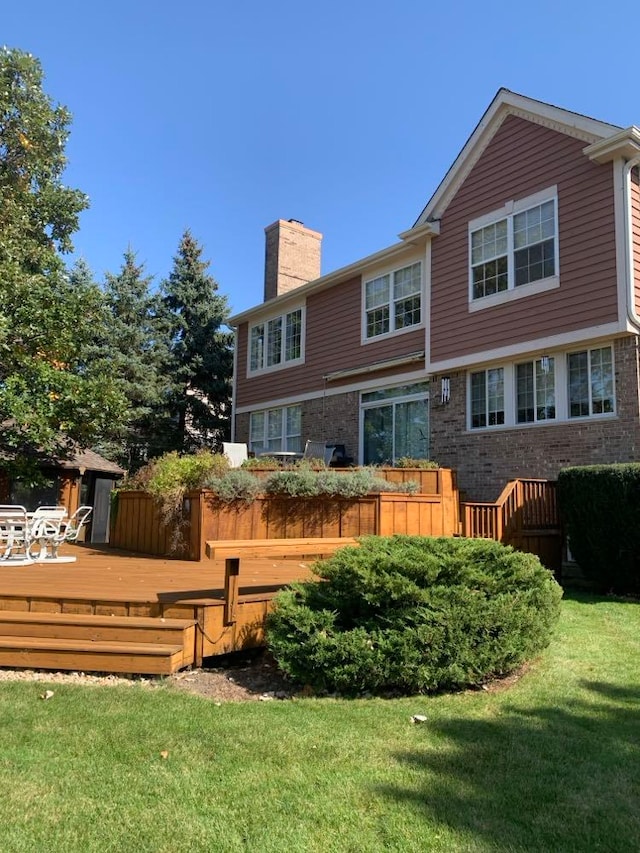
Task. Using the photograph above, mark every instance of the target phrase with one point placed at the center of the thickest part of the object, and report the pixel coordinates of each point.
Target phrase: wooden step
(74, 626)
(71, 641)
(64, 654)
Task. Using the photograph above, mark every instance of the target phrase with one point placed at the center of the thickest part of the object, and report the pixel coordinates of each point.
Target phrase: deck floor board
(103, 574)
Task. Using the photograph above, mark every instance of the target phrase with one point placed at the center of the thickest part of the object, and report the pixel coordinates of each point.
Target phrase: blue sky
(222, 117)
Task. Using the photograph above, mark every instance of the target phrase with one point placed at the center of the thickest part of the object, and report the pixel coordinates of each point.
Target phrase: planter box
(138, 527)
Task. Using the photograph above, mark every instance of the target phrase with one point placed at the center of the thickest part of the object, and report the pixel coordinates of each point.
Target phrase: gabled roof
(507, 103)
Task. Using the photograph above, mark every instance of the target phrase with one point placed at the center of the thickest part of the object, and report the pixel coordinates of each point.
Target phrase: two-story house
(498, 337)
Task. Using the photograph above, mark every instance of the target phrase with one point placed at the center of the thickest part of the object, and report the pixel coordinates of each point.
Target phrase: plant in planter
(411, 462)
(307, 483)
(236, 484)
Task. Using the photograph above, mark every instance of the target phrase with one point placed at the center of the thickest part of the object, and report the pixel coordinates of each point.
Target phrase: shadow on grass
(538, 779)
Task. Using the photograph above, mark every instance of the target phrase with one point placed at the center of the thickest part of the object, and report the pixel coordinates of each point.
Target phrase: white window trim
(508, 211)
(374, 404)
(283, 434)
(561, 359)
(283, 364)
(392, 332)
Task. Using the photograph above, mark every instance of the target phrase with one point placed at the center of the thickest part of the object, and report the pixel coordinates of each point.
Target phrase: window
(276, 341)
(276, 429)
(487, 397)
(514, 246)
(393, 301)
(544, 390)
(535, 390)
(395, 423)
(590, 382)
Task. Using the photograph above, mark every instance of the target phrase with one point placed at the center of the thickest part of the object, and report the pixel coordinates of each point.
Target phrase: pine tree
(132, 352)
(199, 359)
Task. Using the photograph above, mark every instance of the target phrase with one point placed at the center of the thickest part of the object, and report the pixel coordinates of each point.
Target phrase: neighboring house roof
(91, 461)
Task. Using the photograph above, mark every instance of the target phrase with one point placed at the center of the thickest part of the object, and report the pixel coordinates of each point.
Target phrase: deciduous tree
(48, 396)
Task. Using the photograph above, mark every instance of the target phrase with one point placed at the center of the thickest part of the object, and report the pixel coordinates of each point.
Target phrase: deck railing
(525, 516)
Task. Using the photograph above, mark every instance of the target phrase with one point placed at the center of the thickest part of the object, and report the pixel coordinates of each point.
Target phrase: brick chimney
(292, 257)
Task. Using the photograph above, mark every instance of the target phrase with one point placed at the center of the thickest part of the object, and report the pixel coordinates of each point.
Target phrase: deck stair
(68, 641)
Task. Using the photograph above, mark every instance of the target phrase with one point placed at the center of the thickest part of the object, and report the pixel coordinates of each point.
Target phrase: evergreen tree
(48, 396)
(199, 358)
(132, 352)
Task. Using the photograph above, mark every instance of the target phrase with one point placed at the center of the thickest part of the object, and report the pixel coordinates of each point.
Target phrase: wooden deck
(93, 614)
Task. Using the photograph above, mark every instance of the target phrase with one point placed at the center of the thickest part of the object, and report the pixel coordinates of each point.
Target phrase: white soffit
(504, 104)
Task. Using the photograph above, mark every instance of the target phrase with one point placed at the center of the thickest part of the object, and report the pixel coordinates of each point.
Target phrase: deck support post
(231, 586)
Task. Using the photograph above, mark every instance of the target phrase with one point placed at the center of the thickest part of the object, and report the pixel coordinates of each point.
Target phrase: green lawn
(550, 764)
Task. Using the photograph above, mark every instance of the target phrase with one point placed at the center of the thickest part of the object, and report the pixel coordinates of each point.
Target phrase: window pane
(478, 399)
(407, 312)
(294, 428)
(495, 396)
(397, 391)
(406, 282)
(535, 262)
(545, 389)
(378, 435)
(578, 384)
(601, 381)
(524, 393)
(377, 292)
(274, 341)
(274, 429)
(293, 335)
(256, 431)
(378, 322)
(256, 361)
(412, 430)
(490, 278)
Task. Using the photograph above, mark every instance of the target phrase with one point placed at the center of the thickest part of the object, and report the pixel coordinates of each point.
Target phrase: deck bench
(310, 546)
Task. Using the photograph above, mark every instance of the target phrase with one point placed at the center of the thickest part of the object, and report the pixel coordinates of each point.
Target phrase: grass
(551, 763)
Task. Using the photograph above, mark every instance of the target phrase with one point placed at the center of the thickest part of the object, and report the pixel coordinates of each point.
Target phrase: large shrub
(412, 614)
(600, 507)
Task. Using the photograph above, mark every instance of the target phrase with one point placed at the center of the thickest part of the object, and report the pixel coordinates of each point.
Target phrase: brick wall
(487, 460)
(332, 419)
(292, 257)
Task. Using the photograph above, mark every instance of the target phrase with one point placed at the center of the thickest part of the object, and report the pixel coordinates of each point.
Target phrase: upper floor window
(276, 341)
(393, 301)
(515, 246)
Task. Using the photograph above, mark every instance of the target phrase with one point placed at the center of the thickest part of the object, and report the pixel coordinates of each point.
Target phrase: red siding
(332, 343)
(524, 158)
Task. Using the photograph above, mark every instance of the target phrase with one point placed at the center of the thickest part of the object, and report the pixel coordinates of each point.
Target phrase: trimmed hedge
(410, 614)
(600, 506)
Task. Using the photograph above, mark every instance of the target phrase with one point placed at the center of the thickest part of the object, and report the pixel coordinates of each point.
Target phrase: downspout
(628, 230)
(233, 384)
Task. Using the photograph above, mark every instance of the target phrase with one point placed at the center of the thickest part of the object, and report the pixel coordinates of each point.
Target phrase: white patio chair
(236, 453)
(45, 533)
(318, 450)
(13, 534)
(71, 528)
